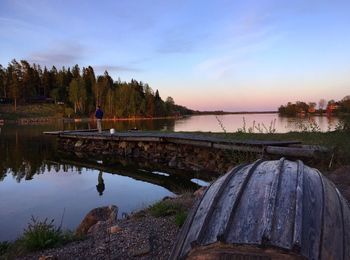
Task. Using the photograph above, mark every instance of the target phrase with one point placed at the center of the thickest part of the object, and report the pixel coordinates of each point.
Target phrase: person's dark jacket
(99, 113)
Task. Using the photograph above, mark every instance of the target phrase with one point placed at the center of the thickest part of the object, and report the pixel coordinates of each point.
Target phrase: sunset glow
(207, 55)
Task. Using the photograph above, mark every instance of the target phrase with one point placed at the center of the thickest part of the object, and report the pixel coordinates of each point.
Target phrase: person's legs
(99, 126)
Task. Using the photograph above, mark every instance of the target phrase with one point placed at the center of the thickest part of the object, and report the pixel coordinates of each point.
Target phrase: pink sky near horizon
(248, 55)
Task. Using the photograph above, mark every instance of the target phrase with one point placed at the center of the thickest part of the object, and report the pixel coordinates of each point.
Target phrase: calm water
(36, 180)
(234, 122)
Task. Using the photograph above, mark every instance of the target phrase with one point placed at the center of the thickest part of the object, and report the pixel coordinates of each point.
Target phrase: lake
(36, 180)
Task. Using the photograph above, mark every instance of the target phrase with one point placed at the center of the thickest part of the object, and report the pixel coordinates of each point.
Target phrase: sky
(232, 55)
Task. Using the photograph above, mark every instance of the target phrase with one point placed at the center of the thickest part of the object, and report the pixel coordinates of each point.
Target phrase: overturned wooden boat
(268, 210)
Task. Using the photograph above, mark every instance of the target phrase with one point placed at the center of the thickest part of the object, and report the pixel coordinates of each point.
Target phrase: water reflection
(100, 184)
(36, 180)
(234, 122)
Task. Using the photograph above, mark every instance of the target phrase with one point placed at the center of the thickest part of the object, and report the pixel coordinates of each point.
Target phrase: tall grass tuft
(41, 234)
(308, 126)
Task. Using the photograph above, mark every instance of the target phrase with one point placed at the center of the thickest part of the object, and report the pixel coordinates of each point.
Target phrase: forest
(331, 107)
(80, 91)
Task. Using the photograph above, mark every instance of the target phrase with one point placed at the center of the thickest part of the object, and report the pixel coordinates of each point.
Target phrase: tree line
(330, 107)
(80, 90)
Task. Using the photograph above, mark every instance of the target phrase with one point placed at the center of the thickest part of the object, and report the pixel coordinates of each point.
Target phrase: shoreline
(47, 119)
(142, 234)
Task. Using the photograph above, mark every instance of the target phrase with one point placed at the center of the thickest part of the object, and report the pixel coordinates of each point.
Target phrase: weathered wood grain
(346, 225)
(219, 214)
(298, 222)
(332, 246)
(283, 221)
(312, 213)
(266, 206)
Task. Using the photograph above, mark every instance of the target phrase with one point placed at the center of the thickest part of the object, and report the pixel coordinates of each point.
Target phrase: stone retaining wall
(180, 156)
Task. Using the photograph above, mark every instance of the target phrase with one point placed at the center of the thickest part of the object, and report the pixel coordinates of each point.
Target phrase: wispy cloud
(114, 68)
(239, 55)
(66, 53)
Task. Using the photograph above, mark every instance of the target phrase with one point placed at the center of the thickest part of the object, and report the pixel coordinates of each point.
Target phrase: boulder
(94, 229)
(106, 214)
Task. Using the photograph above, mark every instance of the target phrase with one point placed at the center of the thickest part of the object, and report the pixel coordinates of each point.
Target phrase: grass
(31, 111)
(180, 218)
(338, 141)
(169, 208)
(39, 234)
(164, 208)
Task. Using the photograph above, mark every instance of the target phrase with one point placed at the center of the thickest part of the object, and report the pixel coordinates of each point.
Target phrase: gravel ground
(141, 236)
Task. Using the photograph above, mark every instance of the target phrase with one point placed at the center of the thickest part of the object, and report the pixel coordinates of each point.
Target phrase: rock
(128, 151)
(170, 147)
(79, 154)
(199, 193)
(123, 144)
(94, 229)
(78, 143)
(108, 214)
(143, 249)
(114, 229)
(136, 152)
(172, 162)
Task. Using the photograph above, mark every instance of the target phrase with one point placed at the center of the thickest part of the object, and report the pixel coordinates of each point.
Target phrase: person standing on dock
(99, 116)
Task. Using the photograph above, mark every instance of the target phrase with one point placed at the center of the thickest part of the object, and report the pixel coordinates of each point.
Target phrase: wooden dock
(282, 148)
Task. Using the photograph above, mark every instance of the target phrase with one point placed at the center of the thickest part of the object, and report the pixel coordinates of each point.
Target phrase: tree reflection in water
(25, 151)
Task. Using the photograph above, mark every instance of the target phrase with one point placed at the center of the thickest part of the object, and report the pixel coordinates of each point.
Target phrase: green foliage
(169, 208)
(180, 218)
(30, 111)
(37, 236)
(308, 126)
(337, 141)
(164, 208)
(333, 107)
(41, 234)
(44, 234)
(81, 90)
(343, 124)
(292, 109)
(68, 111)
(4, 246)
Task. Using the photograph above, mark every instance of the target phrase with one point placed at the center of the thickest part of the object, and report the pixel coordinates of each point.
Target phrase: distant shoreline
(232, 113)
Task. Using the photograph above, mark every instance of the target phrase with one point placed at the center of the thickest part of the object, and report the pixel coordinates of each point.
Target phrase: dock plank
(170, 137)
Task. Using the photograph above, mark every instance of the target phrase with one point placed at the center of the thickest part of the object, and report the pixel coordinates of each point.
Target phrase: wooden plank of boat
(267, 210)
